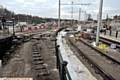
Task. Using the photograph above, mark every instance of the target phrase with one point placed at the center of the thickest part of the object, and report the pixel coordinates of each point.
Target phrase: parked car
(35, 24)
(16, 29)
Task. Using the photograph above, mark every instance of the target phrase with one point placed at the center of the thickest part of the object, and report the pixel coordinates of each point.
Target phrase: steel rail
(97, 68)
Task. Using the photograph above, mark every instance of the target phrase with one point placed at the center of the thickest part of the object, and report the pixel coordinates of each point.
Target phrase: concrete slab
(75, 67)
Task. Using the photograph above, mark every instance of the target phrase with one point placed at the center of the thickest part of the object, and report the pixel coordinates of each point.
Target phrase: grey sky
(49, 8)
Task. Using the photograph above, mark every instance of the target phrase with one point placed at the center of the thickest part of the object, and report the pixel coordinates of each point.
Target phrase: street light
(79, 15)
(13, 25)
(72, 15)
(84, 17)
(80, 11)
(59, 15)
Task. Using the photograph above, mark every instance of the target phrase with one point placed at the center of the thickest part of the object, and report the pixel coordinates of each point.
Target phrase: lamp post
(72, 15)
(27, 19)
(13, 25)
(80, 11)
(79, 15)
(59, 15)
(18, 17)
(84, 17)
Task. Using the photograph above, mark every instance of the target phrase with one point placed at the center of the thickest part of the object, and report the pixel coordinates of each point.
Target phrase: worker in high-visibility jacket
(108, 27)
(79, 35)
(76, 39)
(21, 28)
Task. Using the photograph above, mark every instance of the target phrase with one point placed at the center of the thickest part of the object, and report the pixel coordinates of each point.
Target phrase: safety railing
(112, 33)
(61, 64)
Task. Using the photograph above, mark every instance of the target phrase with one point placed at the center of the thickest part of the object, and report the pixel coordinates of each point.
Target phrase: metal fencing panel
(61, 64)
(119, 34)
(108, 32)
(113, 33)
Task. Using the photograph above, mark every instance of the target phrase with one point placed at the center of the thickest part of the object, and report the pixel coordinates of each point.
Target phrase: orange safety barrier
(108, 27)
(35, 27)
(44, 26)
(55, 25)
(84, 36)
(29, 28)
(39, 27)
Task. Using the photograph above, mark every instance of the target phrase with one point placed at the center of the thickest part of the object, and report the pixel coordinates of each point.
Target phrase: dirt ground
(22, 63)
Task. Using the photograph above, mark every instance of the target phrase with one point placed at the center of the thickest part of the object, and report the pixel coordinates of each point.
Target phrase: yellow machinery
(102, 46)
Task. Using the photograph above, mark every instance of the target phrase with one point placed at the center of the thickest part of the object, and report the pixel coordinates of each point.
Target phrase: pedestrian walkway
(75, 67)
(110, 37)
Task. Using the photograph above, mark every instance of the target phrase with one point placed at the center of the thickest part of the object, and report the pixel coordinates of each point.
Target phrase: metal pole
(79, 15)
(72, 15)
(13, 25)
(13, 28)
(18, 17)
(27, 19)
(59, 16)
(1, 68)
(84, 17)
(99, 21)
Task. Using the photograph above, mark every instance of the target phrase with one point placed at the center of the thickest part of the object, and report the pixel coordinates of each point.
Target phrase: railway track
(105, 40)
(21, 38)
(109, 41)
(42, 63)
(40, 68)
(103, 64)
(41, 58)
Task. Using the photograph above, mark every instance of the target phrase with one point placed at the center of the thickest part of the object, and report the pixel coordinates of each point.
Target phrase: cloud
(40, 0)
(22, 1)
(49, 8)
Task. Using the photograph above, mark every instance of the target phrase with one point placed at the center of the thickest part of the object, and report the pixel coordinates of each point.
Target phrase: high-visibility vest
(108, 27)
(79, 35)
